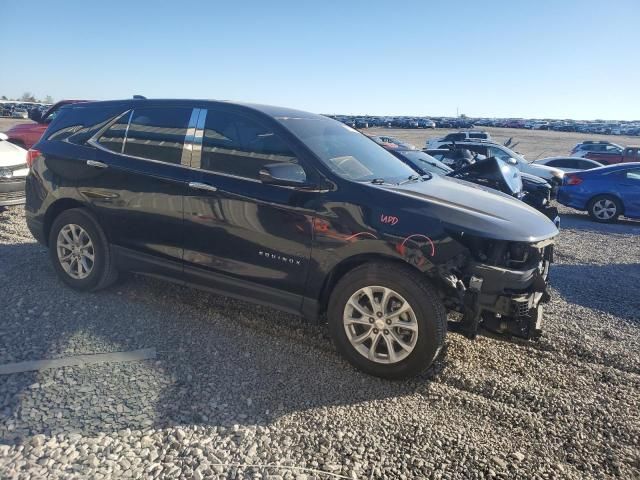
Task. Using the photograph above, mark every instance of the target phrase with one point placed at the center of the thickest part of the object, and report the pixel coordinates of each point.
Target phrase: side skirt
(176, 272)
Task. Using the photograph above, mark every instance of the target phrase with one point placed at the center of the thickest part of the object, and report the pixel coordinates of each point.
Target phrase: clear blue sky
(537, 58)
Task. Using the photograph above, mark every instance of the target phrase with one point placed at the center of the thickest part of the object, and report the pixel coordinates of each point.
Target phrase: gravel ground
(235, 384)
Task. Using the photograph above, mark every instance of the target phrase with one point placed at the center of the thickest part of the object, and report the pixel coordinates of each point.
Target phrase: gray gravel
(235, 384)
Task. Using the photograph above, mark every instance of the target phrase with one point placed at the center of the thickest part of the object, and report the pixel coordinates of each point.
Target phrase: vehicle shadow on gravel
(608, 288)
(220, 362)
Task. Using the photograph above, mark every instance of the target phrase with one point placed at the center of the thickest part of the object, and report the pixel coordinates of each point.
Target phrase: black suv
(289, 209)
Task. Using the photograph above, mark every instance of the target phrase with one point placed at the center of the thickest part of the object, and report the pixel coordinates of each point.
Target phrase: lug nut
(386, 332)
(379, 314)
(388, 321)
(375, 330)
(371, 320)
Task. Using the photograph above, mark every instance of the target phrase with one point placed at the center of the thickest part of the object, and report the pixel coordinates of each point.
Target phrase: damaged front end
(500, 285)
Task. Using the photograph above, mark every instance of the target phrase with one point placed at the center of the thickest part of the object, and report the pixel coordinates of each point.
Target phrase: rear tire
(364, 331)
(79, 251)
(604, 208)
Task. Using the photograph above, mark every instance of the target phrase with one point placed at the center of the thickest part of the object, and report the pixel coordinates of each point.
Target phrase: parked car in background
(605, 193)
(581, 149)
(13, 171)
(426, 123)
(568, 164)
(536, 125)
(492, 149)
(289, 209)
(26, 135)
(20, 113)
(628, 154)
(457, 137)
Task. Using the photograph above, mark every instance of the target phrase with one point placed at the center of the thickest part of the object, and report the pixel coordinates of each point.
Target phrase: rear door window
(585, 165)
(158, 133)
(563, 164)
(240, 146)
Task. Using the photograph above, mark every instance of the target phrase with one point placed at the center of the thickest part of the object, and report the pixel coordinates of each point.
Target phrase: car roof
(566, 158)
(270, 110)
(614, 167)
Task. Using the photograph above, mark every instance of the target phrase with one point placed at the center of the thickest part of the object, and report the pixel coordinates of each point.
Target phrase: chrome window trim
(196, 157)
(93, 141)
(126, 131)
(187, 146)
(229, 175)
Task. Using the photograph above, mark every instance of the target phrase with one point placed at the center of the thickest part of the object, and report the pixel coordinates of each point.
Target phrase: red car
(629, 154)
(26, 135)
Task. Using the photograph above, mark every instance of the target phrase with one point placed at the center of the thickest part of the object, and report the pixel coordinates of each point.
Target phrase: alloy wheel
(75, 251)
(380, 324)
(604, 209)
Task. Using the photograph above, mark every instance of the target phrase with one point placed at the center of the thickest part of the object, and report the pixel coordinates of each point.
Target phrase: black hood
(465, 207)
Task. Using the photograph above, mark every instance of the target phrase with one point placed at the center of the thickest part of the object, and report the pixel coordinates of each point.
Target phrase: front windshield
(345, 151)
(425, 162)
(505, 154)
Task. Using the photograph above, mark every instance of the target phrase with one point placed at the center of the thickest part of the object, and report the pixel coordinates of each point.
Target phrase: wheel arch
(55, 209)
(606, 194)
(347, 265)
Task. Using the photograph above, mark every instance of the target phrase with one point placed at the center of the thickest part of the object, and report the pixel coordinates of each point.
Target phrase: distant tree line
(29, 97)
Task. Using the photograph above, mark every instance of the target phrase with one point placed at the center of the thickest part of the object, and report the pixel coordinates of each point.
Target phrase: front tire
(387, 320)
(604, 209)
(79, 251)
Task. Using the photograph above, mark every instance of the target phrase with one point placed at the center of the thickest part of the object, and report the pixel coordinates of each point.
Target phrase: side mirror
(284, 175)
(35, 115)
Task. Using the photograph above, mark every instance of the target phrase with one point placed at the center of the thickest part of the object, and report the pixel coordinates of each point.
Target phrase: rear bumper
(12, 192)
(573, 200)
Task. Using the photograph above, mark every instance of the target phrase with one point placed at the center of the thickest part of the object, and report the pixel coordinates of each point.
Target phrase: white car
(569, 164)
(20, 113)
(13, 172)
(581, 149)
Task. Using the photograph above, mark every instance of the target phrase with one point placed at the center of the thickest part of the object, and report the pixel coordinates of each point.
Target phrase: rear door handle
(202, 186)
(93, 163)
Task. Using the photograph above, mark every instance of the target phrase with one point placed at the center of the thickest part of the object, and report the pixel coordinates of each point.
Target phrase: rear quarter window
(78, 124)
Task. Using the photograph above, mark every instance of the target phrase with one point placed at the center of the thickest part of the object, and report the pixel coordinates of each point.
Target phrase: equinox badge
(282, 258)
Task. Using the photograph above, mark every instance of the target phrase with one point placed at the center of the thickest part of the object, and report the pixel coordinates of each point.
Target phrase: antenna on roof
(139, 97)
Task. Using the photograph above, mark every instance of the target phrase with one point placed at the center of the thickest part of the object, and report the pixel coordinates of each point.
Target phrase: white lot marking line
(78, 361)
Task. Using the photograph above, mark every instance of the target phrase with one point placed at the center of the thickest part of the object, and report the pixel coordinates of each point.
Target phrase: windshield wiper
(378, 181)
(412, 178)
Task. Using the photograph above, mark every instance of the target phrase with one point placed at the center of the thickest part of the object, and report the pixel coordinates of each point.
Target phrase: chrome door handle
(202, 186)
(93, 163)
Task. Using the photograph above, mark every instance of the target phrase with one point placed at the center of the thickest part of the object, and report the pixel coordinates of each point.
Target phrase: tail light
(572, 180)
(32, 154)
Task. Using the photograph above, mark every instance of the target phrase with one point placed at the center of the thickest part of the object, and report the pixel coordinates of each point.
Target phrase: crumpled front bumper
(506, 300)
